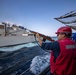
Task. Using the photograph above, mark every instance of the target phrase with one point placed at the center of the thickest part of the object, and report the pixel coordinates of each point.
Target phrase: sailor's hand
(39, 39)
(37, 35)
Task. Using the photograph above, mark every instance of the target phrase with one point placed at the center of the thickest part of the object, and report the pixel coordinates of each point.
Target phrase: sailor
(63, 55)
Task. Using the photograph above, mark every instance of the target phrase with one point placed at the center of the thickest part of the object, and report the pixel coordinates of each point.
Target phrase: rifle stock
(45, 37)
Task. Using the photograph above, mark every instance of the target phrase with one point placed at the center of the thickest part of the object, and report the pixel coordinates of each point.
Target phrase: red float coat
(65, 64)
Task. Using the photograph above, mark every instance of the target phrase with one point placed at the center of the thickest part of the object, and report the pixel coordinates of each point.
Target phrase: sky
(36, 15)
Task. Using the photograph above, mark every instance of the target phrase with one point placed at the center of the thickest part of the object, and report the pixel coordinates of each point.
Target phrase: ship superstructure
(14, 35)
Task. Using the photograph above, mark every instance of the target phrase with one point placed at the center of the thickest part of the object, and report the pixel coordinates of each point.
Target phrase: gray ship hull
(15, 40)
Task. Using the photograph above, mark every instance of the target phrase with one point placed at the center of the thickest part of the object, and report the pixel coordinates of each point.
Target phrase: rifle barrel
(45, 37)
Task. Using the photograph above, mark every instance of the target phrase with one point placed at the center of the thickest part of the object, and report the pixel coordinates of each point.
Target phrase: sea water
(38, 63)
(13, 48)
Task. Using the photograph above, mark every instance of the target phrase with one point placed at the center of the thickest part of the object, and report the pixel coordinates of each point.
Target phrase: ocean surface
(13, 48)
(26, 59)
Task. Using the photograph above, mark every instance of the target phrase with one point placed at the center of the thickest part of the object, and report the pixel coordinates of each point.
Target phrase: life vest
(65, 64)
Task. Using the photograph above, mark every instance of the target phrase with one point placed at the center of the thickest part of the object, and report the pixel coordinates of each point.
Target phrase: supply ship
(14, 35)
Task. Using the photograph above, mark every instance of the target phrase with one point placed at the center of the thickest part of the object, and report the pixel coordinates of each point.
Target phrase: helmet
(64, 29)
